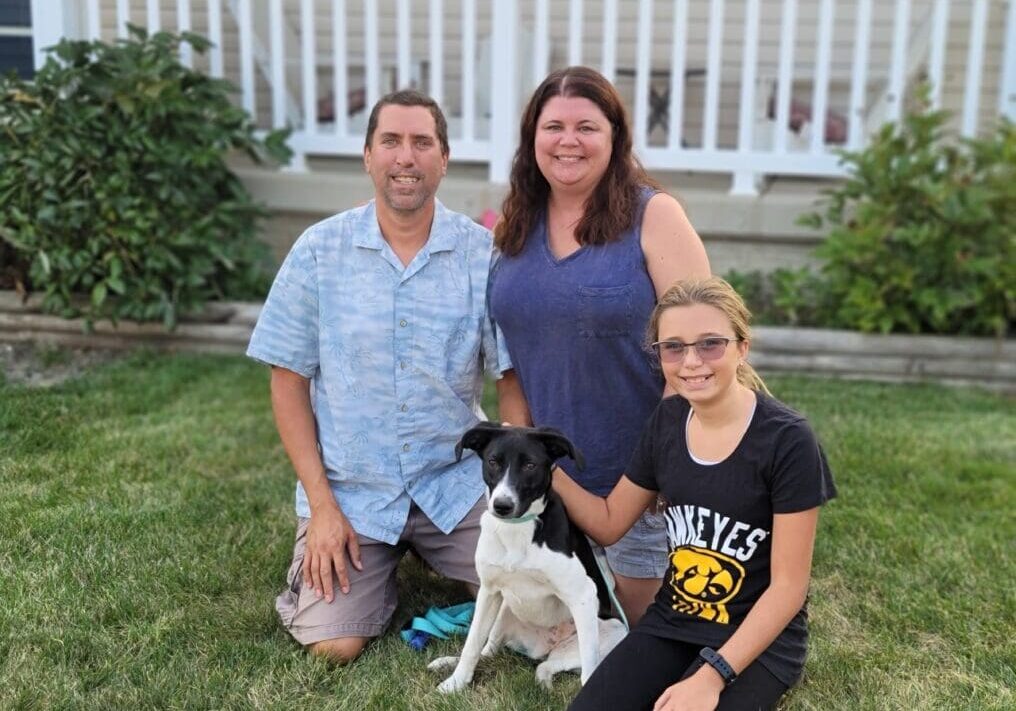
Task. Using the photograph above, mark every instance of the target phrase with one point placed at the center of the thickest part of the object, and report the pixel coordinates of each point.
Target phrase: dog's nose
(503, 507)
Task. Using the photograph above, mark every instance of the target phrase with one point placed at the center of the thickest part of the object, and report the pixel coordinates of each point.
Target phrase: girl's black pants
(642, 666)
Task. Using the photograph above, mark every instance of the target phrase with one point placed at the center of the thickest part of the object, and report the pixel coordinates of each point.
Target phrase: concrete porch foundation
(743, 233)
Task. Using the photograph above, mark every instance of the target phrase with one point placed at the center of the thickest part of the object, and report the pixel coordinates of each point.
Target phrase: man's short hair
(410, 97)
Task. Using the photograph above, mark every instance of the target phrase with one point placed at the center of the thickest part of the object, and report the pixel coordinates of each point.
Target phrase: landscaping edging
(226, 328)
(952, 360)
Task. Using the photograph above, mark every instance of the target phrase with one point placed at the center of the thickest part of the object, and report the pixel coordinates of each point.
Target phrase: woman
(744, 477)
(588, 243)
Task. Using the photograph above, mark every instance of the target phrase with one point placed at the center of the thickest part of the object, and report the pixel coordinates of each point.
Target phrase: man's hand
(328, 536)
(699, 692)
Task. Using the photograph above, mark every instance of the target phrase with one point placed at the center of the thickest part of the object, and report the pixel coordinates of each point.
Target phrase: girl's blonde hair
(717, 293)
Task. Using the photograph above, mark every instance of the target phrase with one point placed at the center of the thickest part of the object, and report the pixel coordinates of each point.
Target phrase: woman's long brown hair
(610, 209)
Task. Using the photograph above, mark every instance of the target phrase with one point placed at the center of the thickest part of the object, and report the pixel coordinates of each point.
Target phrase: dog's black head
(517, 463)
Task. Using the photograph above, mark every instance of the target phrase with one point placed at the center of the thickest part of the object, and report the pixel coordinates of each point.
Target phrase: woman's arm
(672, 248)
(511, 401)
(604, 519)
(790, 571)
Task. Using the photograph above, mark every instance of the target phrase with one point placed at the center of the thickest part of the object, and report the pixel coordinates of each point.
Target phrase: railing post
(51, 22)
(975, 68)
(643, 62)
(504, 99)
(747, 183)
(1007, 89)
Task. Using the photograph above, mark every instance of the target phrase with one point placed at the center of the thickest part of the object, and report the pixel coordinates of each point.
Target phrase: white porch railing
(700, 100)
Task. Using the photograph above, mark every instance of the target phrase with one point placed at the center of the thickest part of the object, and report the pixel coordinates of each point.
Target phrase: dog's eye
(529, 466)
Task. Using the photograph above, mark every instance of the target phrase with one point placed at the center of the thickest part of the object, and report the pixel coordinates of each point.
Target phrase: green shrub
(799, 297)
(113, 185)
(786, 297)
(922, 235)
(752, 288)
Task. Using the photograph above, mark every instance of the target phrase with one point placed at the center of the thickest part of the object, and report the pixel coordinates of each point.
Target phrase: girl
(741, 476)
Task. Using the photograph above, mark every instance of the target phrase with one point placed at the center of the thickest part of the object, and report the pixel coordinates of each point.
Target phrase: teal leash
(600, 556)
(440, 622)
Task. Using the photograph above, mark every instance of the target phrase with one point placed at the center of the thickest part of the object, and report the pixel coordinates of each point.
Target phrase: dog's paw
(452, 685)
(545, 676)
(443, 663)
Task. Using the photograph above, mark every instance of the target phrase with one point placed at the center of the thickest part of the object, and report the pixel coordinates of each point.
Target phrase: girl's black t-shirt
(720, 520)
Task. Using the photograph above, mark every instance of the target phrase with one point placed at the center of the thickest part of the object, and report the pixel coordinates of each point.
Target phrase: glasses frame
(695, 344)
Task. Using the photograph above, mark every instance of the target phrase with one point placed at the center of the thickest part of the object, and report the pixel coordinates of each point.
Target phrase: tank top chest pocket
(604, 311)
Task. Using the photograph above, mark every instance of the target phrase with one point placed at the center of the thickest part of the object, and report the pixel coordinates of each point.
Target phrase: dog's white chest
(530, 578)
(530, 597)
(508, 550)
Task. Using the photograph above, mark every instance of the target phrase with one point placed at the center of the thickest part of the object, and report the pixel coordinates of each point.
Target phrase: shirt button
(404, 407)
(405, 447)
(402, 364)
(403, 322)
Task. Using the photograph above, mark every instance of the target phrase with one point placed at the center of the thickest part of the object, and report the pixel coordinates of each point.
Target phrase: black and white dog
(541, 591)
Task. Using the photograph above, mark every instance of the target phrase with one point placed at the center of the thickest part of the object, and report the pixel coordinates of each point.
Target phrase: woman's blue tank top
(575, 329)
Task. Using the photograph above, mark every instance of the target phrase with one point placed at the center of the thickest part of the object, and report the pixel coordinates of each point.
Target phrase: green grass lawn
(146, 525)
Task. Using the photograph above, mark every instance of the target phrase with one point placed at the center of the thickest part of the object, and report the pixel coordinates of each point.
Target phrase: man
(377, 332)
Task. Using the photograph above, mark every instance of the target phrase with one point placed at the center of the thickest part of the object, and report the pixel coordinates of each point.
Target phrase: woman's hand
(699, 692)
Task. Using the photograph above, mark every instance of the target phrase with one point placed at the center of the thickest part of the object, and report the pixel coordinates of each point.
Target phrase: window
(16, 37)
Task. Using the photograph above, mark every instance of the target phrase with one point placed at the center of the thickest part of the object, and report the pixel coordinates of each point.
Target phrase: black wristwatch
(714, 659)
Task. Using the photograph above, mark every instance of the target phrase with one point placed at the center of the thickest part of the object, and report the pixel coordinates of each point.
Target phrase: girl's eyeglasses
(711, 348)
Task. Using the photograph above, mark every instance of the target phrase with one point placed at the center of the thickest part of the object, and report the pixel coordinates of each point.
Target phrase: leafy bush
(788, 297)
(922, 233)
(113, 183)
(753, 288)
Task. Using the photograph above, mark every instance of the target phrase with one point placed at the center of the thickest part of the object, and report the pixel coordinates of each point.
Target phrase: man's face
(404, 158)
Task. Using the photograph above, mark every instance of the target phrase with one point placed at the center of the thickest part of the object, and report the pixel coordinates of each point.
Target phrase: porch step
(743, 233)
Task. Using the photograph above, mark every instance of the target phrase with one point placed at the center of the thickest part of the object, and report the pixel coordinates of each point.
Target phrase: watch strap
(714, 659)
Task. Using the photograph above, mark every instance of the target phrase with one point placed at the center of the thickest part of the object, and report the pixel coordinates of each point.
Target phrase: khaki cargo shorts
(367, 609)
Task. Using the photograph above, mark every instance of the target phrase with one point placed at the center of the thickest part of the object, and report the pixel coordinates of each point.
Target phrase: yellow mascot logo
(704, 581)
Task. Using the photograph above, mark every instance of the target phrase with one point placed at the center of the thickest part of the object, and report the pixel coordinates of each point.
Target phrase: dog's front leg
(583, 611)
(487, 606)
(493, 644)
(496, 635)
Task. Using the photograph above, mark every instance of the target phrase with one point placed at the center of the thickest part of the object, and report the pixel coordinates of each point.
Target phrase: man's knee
(339, 651)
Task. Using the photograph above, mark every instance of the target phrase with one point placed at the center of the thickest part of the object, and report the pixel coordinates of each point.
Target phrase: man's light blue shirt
(395, 356)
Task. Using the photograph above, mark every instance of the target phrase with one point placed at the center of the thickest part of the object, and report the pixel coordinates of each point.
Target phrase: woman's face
(700, 380)
(573, 143)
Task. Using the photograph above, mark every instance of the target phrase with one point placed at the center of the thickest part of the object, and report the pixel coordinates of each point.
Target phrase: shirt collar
(443, 234)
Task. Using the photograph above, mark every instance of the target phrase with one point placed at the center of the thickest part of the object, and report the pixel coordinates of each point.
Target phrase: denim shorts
(642, 552)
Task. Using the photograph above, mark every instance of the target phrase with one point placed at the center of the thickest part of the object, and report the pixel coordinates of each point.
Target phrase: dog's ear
(478, 437)
(557, 446)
